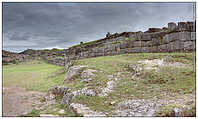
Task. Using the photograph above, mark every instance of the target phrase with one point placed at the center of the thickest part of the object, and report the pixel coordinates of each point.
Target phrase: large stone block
(128, 50)
(165, 39)
(146, 36)
(144, 43)
(156, 41)
(138, 35)
(193, 36)
(148, 44)
(153, 49)
(122, 51)
(172, 26)
(182, 26)
(146, 49)
(136, 44)
(114, 53)
(191, 26)
(173, 37)
(184, 36)
(124, 45)
(136, 49)
(189, 45)
(176, 45)
(162, 47)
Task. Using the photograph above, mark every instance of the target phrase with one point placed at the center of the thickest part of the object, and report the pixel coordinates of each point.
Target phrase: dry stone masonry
(176, 38)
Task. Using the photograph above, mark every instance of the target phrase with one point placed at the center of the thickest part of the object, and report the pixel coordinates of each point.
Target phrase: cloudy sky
(61, 25)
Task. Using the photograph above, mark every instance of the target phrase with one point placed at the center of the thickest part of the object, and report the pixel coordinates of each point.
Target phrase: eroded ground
(18, 102)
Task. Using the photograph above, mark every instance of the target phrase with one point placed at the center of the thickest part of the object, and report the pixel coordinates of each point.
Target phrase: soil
(17, 101)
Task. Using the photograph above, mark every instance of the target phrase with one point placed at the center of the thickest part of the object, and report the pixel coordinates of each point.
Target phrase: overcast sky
(61, 25)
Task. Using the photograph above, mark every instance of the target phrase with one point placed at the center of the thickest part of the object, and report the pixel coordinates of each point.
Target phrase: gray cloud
(61, 25)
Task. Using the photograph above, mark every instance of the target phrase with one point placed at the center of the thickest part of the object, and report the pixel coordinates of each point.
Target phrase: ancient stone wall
(175, 38)
(55, 61)
(11, 57)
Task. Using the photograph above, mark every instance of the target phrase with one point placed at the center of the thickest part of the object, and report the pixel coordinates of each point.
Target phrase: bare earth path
(17, 101)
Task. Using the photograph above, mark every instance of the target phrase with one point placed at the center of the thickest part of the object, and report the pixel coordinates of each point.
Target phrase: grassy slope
(184, 78)
(34, 75)
(39, 76)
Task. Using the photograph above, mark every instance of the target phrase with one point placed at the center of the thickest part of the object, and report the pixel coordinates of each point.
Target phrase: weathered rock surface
(135, 68)
(136, 108)
(108, 88)
(67, 99)
(73, 72)
(87, 80)
(84, 110)
(62, 111)
(88, 73)
(56, 91)
(85, 91)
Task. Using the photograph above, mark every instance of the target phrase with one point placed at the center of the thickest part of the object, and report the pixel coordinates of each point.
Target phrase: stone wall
(175, 38)
(55, 61)
(11, 57)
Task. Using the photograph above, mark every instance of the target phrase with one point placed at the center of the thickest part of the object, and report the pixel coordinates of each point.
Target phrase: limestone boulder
(88, 73)
(67, 99)
(56, 91)
(73, 72)
(85, 91)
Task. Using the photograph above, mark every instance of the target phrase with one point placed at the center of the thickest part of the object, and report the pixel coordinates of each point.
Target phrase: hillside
(139, 84)
(148, 73)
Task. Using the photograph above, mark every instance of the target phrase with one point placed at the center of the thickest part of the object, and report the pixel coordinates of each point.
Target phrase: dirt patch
(18, 101)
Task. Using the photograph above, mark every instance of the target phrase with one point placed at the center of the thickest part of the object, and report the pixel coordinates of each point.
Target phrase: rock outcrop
(85, 111)
(73, 72)
(139, 108)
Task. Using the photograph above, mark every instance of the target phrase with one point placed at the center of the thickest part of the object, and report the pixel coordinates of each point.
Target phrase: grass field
(33, 75)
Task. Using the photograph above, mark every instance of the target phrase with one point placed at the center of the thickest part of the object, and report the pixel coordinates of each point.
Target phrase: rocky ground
(156, 86)
(128, 107)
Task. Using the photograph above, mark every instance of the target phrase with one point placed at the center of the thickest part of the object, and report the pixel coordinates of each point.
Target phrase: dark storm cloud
(60, 25)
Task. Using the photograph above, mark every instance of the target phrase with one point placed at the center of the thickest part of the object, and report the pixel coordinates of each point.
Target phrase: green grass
(167, 111)
(116, 42)
(33, 113)
(152, 84)
(34, 75)
(40, 76)
(95, 103)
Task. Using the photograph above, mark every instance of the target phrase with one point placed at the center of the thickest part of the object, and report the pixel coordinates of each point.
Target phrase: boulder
(136, 68)
(85, 91)
(73, 72)
(56, 91)
(67, 99)
(88, 73)
(87, 80)
(109, 88)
